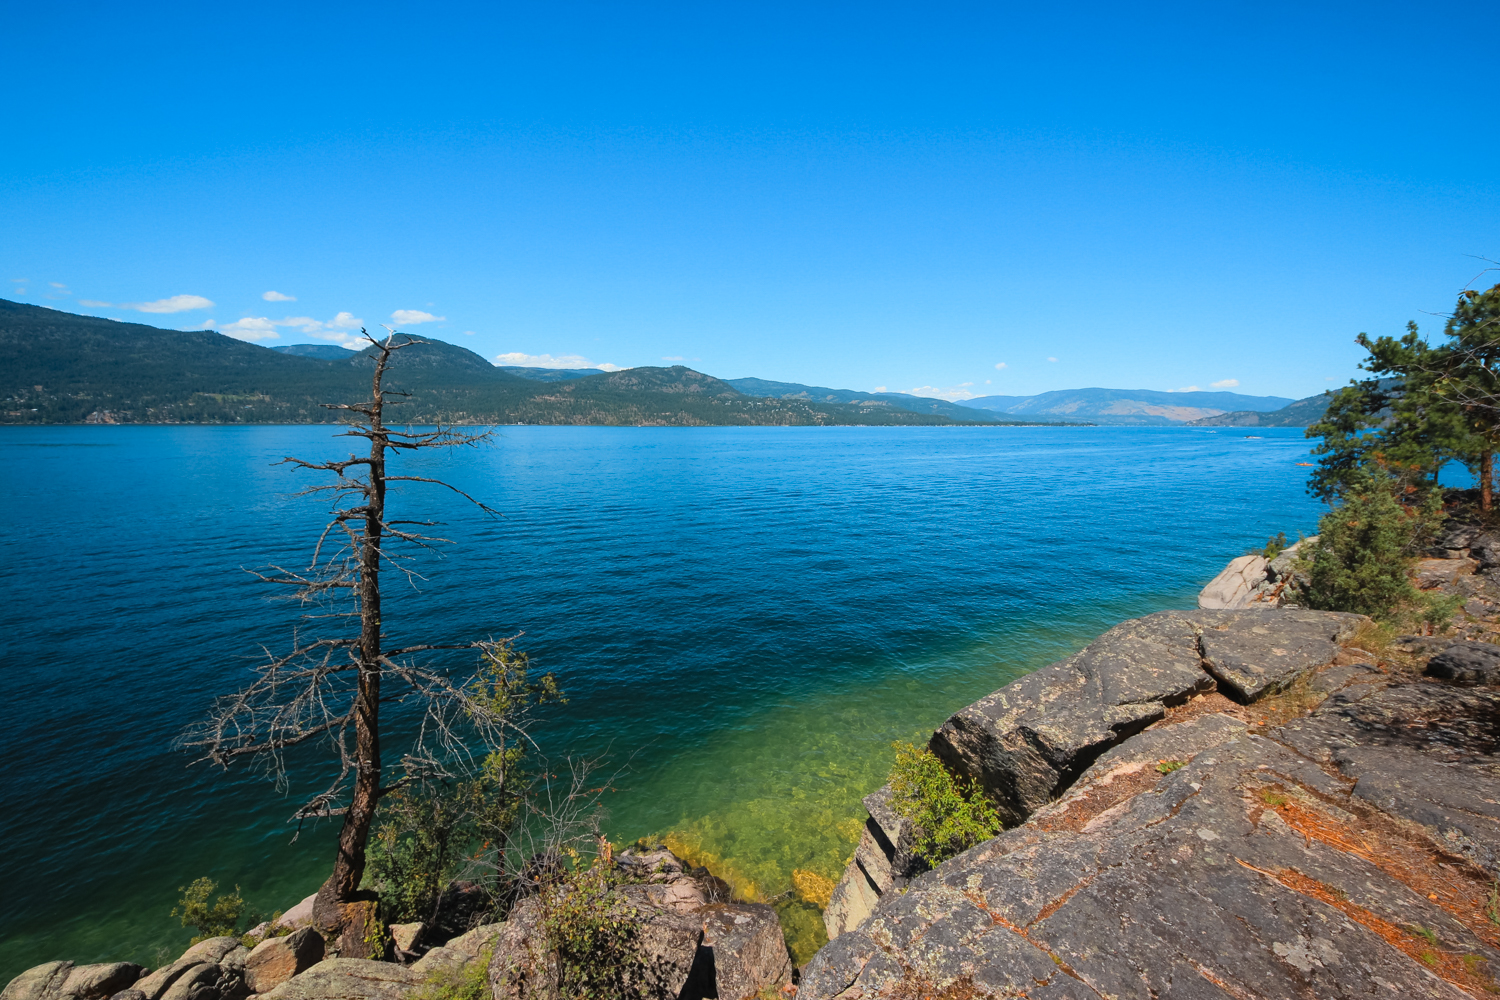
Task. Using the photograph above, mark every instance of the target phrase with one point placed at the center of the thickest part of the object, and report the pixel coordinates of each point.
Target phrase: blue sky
(861, 195)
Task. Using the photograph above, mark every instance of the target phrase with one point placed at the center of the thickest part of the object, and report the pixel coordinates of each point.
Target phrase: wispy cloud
(672, 357)
(960, 391)
(93, 305)
(277, 297)
(1227, 383)
(1051, 359)
(468, 333)
(175, 304)
(58, 285)
(1000, 366)
(411, 317)
(1186, 388)
(343, 329)
(520, 360)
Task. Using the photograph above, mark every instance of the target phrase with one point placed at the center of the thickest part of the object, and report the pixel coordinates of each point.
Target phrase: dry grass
(1468, 972)
(1461, 889)
(914, 987)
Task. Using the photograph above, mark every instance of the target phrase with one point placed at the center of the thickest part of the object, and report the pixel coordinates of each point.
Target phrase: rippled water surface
(751, 615)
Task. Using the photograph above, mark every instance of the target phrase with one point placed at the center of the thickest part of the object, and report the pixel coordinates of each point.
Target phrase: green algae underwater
(744, 618)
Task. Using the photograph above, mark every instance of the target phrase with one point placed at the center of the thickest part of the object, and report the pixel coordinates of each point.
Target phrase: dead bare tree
(331, 687)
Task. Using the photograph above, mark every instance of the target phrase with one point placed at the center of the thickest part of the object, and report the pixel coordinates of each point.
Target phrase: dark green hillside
(1302, 413)
(56, 367)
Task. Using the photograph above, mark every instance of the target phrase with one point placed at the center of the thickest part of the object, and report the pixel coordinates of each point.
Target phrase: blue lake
(748, 615)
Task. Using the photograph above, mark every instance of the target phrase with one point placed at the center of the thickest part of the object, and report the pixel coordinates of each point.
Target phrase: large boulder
(664, 948)
(38, 982)
(94, 982)
(208, 952)
(1237, 586)
(349, 979)
(275, 960)
(1467, 663)
(742, 951)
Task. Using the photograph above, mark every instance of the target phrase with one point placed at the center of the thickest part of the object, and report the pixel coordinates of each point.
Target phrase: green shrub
(219, 920)
(1274, 546)
(951, 815)
(1367, 544)
(471, 981)
(593, 931)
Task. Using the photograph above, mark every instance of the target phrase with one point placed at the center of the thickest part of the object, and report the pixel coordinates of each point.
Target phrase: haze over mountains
(57, 367)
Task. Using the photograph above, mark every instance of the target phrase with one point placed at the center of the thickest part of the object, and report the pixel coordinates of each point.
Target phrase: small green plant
(1274, 546)
(219, 920)
(950, 814)
(1492, 905)
(1272, 798)
(467, 982)
(1425, 932)
(1168, 766)
(593, 931)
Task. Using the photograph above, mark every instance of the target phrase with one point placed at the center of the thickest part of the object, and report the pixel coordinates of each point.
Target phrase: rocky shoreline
(1240, 800)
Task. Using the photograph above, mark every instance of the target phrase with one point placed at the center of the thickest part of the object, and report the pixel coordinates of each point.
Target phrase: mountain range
(58, 367)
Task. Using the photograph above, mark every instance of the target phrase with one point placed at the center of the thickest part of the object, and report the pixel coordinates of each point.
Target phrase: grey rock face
(1138, 883)
(93, 982)
(1259, 653)
(1467, 663)
(1026, 743)
(349, 979)
(743, 945)
(37, 982)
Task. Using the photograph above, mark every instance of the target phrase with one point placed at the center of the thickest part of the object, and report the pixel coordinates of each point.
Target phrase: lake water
(749, 615)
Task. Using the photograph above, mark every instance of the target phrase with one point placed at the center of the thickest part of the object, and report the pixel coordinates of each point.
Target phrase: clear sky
(857, 195)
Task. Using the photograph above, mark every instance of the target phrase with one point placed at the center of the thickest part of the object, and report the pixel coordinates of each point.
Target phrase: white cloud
(251, 328)
(673, 357)
(93, 305)
(1000, 367)
(339, 329)
(411, 317)
(960, 391)
(1051, 359)
(468, 333)
(277, 297)
(176, 304)
(57, 284)
(1186, 388)
(1228, 383)
(207, 324)
(521, 360)
(880, 388)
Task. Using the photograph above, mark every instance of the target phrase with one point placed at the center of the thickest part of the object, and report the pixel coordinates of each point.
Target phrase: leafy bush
(951, 815)
(593, 932)
(1367, 544)
(219, 920)
(471, 981)
(435, 829)
(1274, 546)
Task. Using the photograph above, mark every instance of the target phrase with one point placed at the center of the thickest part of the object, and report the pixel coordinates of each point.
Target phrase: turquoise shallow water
(750, 615)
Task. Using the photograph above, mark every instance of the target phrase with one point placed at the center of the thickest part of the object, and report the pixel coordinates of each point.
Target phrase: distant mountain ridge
(1126, 406)
(1302, 413)
(57, 367)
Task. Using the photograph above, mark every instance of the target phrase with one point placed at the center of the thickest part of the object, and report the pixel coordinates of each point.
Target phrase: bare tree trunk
(333, 914)
(1486, 478)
